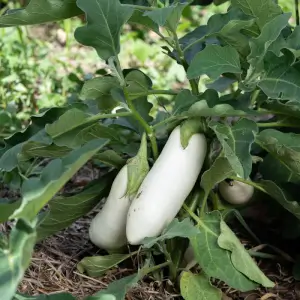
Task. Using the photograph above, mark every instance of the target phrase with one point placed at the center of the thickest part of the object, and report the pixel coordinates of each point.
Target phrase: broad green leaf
(272, 169)
(219, 171)
(184, 229)
(215, 261)
(168, 16)
(75, 127)
(15, 258)
(281, 196)
(7, 208)
(227, 27)
(237, 142)
(202, 109)
(96, 266)
(10, 159)
(60, 296)
(138, 168)
(105, 19)
(288, 108)
(99, 88)
(283, 146)
(37, 192)
(138, 84)
(262, 10)
(138, 17)
(240, 258)
(260, 45)
(41, 11)
(110, 158)
(183, 101)
(281, 80)
(198, 287)
(213, 61)
(33, 149)
(64, 211)
(117, 290)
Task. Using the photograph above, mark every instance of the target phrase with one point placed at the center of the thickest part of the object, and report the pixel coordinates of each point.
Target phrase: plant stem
(255, 185)
(277, 124)
(168, 120)
(262, 255)
(155, 268)
(162, 92)
(203, 206)
(193, 82)
(148, 8)
(254, 97)
(148, 129)
(198, 220)
(194, 43)
(297, 12)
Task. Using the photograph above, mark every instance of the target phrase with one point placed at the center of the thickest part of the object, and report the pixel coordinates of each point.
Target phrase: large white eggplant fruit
(166, 186)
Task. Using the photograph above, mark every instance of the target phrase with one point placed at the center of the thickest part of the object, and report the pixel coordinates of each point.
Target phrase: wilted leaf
(176, 228)
(64, 211)
(105, 19)
(237, 142)
(96, 266)
(215, 261)
(240, 258)
(138, 168)
(15, 258)
(7, 208)
(41, 11)
(37, 192)
(198, 287)
(213, 61)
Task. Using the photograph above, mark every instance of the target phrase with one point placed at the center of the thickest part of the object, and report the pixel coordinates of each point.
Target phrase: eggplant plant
(166, 171)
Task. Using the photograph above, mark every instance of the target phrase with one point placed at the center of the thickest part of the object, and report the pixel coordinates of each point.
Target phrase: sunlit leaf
(240, 258)
(198, 287)
(15, 258)
(176, 228)
(96, 266)
(7, 208)
(215, 261)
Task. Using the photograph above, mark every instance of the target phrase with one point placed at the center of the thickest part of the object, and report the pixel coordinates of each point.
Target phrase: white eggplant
(236, 192)
(107, 229)
(166, 186)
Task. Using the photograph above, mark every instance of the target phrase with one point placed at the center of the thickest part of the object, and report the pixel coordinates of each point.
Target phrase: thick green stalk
(148, 129)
